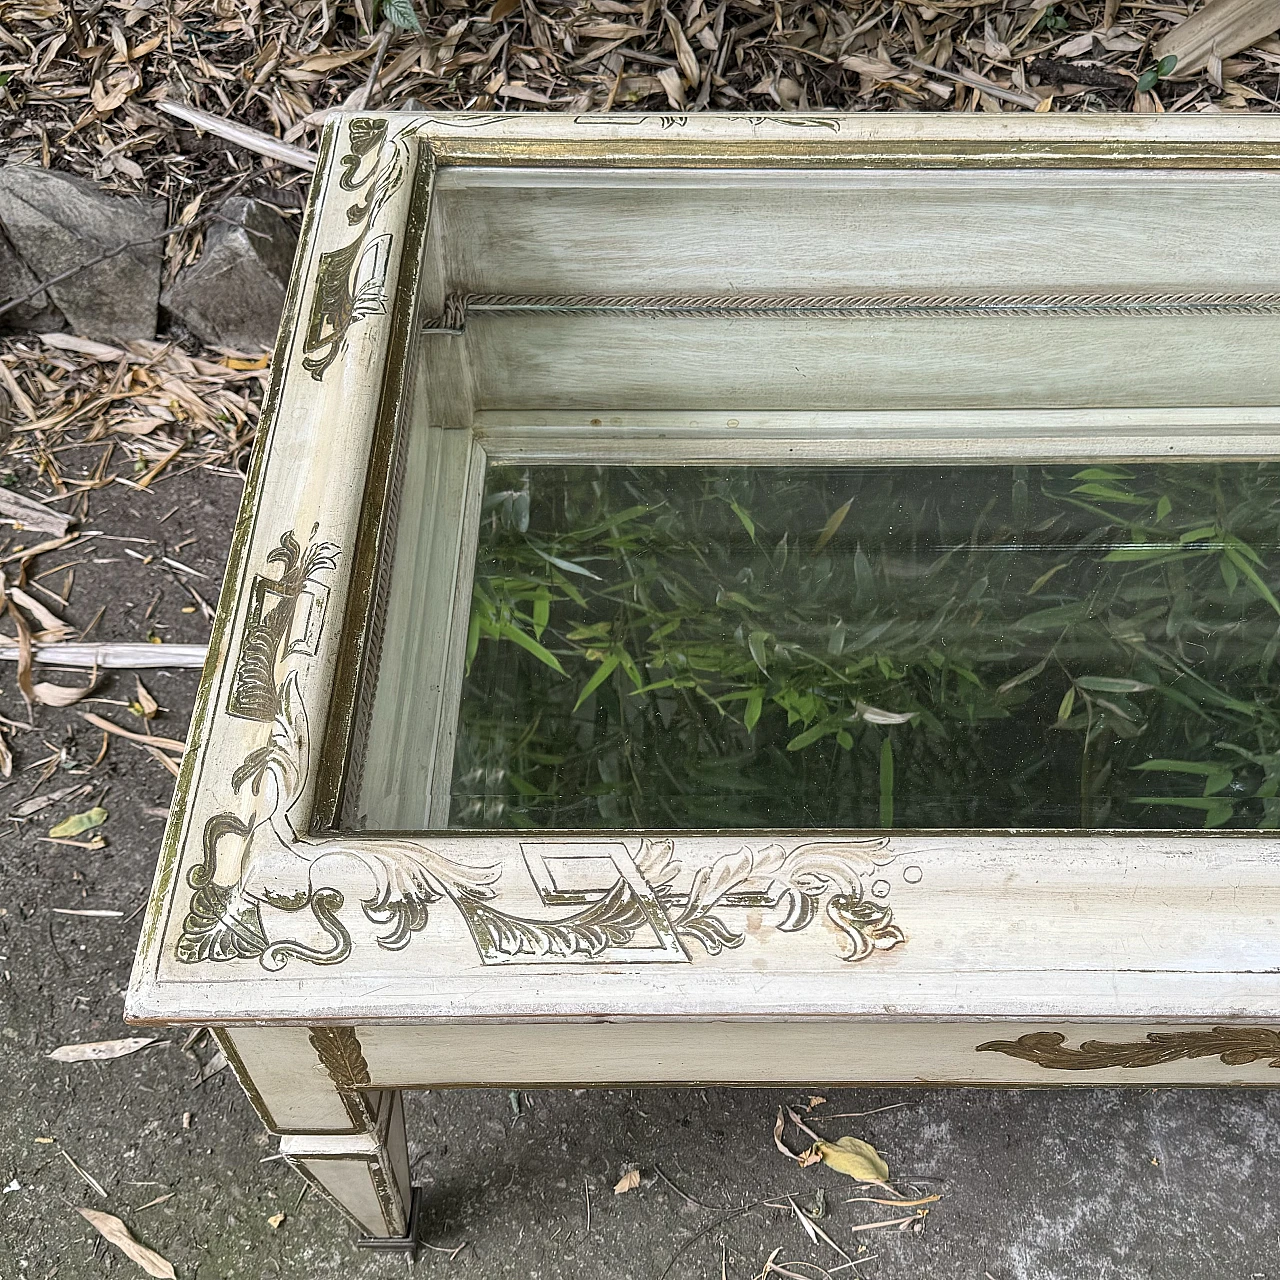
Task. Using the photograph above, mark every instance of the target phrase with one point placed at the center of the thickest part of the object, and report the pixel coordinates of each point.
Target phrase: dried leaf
(112, 1229)
(27, 808)
(673, 87)
(79, 822)
(149, 740)
(84, 346)
(1220, 29)
(167, 762)
(322, 62)
(148, 704)
(275, 1220)
(45, 693)
(100, 1050)
(778, 1126)
(215, 1064)
(684, 52)
(24, 651)
(53, 626)
(60, 695)
(628, 1182)
(854, 1158)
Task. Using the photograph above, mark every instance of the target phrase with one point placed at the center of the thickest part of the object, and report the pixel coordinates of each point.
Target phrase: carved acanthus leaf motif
(1233, 1046)
(611, 922)
(338, 1049)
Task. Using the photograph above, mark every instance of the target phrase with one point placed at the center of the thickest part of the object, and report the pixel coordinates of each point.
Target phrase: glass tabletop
(1015, 646)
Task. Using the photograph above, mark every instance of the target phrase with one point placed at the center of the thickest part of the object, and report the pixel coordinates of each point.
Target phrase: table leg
(348, 1140)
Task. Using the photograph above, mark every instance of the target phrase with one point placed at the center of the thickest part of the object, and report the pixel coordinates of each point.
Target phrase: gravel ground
(1034, 1185)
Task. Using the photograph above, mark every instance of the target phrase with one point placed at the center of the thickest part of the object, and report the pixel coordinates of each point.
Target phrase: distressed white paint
(1102, 936)
(1078, 926)
(772, 1053)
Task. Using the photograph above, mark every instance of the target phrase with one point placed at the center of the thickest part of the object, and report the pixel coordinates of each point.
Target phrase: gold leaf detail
(339, 1050)
(1232, 1046)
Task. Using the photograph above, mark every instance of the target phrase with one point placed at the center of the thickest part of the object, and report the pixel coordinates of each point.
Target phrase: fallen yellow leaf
(628, 1182)
(79, 822)
(854, 1158)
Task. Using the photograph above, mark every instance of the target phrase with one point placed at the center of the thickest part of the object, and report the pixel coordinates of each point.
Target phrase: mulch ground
(80, 80)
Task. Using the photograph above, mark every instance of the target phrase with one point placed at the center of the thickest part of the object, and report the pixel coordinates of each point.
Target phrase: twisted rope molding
(856, 306)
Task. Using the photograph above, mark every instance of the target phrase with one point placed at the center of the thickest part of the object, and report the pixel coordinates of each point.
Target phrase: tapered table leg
(348, 1140)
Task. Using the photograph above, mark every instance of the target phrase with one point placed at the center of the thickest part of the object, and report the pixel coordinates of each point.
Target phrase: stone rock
(16, 279)
(234, 294)
(56, 221)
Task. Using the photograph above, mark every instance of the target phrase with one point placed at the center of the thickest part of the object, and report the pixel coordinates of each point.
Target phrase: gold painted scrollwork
(1232, 1046)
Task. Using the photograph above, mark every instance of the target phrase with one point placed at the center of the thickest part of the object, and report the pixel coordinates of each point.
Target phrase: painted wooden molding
(896, 283)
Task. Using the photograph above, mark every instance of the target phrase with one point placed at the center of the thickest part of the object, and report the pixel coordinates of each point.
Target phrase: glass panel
(934, 647)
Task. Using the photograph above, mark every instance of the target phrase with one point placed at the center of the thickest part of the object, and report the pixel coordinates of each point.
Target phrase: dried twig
(241, 135)
(112, 657)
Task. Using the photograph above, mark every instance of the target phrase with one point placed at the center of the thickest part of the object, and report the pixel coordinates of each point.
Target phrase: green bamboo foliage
(911, 647)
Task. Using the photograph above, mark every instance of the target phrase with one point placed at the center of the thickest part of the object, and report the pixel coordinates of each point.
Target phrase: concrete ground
(1034, 1185)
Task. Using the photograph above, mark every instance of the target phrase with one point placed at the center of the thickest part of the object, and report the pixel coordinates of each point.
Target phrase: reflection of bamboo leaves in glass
(877, 646)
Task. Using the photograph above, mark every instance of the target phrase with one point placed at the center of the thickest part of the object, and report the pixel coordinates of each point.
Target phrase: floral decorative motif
(1232, 1046)
(645, 894)
(339, 1051)
(256, 859)
(646, 908)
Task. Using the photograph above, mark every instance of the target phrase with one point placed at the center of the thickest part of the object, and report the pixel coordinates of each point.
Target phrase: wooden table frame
(1004, 958)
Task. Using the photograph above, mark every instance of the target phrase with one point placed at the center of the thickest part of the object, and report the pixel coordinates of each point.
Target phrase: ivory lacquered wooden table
(383, 872)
